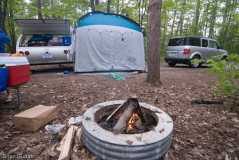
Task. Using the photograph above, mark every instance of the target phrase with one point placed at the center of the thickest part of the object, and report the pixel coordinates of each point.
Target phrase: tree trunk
(145, 10)
(92, 5)
(11, 27)
(204, 21)
(3, 14)
(213, 19)
(153, 76)
(172, 26)
(117, 7)
(196, 18)
(122, 6)
(108, 6)
(226, 21)
(165, 29)
(39, 9)
(182, 18)
(139, 11)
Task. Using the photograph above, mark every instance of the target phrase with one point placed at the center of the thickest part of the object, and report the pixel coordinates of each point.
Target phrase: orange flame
(132, 122)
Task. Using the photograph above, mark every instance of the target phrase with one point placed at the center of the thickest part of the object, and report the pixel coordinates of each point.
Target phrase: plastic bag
(75, 120)
(54, 128)
(117, 77)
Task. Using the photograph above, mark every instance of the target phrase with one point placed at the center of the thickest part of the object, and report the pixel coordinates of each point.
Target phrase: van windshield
(190, 41)
(39, 40)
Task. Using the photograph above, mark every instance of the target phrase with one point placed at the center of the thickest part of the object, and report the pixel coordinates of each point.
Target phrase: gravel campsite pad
(205, 132)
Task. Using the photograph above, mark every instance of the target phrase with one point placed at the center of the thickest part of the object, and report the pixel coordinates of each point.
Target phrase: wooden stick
(122, 122)
(132, 106)
(67, 144)
(78, 136)
(116, 110)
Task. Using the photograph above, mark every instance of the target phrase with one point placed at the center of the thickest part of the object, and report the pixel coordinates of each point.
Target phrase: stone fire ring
(151, 145)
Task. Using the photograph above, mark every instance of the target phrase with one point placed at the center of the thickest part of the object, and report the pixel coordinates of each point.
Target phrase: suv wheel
(195, 62)
(171, 64)
(224, 58)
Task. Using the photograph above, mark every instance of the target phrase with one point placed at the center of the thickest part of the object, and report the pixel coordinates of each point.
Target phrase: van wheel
(195, 62)
(172, 64)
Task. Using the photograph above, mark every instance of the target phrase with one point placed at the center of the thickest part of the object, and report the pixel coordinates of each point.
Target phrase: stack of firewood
(72, 137)
(68, 146)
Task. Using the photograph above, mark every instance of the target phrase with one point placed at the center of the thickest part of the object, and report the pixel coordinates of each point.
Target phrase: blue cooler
(3, 78)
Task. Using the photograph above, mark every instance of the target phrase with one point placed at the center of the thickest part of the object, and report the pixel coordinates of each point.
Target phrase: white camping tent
(108, 42)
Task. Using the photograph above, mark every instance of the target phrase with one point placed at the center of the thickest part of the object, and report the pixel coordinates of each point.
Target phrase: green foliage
(220, 18)
(227, 72)
(196, 61)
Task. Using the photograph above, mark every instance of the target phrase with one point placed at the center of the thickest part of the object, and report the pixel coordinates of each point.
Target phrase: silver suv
(193, 51)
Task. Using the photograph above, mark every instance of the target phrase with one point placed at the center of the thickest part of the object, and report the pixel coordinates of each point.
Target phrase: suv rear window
(177, 42)
(39, 40)
(191, 41)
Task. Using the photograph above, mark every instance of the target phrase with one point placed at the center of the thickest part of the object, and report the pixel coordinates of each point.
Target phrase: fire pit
(119, 130)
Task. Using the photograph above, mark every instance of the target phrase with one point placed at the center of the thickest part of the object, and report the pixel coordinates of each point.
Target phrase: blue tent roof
(101, 18)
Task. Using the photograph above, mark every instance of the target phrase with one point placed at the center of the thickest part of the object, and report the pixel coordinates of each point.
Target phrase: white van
(45, 41)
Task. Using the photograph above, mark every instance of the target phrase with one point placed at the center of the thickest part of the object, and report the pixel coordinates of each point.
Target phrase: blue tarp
(4, 39)
(101, 18)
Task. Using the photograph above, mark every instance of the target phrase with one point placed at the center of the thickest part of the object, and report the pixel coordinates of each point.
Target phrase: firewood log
(67, 144)
(122, 122)
(116, 110)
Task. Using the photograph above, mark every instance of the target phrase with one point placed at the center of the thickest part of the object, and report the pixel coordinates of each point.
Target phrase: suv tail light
(186, 52)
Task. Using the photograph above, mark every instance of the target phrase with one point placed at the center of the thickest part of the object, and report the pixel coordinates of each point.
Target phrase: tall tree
(117, 6)
(39, 9)
(226, 19)
(181, 20)
(11, 25)
(204, 19)
(3, 13)
(92, 5)
(195, 28)
(153, 76)
(139, 10)
(173, 22)
(213, 18)
(108, 6)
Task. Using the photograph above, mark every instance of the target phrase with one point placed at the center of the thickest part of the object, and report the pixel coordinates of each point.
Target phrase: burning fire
(132, 123)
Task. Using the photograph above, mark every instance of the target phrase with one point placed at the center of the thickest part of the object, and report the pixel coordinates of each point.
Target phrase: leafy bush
(227, 72)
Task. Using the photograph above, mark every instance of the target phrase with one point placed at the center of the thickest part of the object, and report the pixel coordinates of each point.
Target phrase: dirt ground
(201, 132)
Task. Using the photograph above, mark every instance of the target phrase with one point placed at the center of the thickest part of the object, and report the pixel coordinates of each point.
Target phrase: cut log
(122, 122)
(131, 106)
(116, 110)
(67, 144)
(52, 151)
(78, 137)
(77, 145)
(59, 148)
(34, 118)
